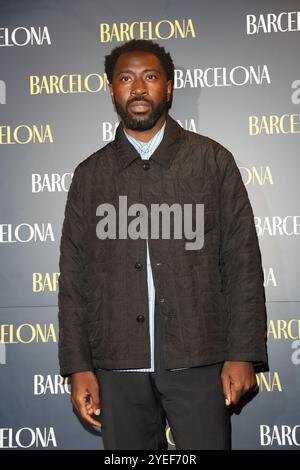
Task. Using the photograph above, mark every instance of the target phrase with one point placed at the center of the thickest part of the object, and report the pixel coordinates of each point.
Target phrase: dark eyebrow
(144, 71)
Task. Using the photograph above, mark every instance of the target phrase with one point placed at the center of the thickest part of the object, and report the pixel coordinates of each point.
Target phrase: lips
(139, 104)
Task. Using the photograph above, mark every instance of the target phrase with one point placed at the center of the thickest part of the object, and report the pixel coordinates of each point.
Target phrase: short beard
(137, 124)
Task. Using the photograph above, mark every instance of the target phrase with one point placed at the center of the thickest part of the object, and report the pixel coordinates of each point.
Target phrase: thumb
(226, 389)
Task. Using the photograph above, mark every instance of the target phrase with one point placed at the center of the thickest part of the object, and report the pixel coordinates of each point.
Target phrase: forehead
(137, 60)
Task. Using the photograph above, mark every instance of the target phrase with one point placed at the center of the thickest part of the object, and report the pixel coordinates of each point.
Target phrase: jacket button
(140, 318)
(138, 266)
(146, 165)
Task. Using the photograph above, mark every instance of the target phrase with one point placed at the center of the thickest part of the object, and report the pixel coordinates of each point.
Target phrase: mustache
(137, 98)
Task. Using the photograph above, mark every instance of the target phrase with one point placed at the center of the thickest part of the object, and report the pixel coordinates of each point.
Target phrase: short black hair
(143, 45)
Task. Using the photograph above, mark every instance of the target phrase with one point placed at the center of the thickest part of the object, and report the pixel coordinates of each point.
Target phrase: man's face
(140, 90)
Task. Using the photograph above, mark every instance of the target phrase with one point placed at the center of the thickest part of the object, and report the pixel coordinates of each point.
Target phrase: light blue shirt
(146, 149)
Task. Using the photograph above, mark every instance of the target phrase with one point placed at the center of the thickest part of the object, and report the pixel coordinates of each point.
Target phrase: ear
(111, 91)
(169, 89)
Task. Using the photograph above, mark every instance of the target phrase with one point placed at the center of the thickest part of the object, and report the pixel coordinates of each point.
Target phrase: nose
(139, 87)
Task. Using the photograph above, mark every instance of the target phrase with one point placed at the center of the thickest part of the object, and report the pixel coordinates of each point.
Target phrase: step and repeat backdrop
(237, 80)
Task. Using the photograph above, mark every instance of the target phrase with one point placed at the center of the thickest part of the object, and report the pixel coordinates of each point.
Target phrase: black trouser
(135, 405)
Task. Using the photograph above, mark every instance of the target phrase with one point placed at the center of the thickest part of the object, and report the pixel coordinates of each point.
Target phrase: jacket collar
(163, 154)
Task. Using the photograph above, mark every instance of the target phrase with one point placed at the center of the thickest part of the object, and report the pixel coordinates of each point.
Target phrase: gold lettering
(48, 282)
(273, 124)
(104, 34)
(27, 333)
(67, 84)
(24, 134)
(269, 382)
(253, 174)
(163, 29)
(283, 329)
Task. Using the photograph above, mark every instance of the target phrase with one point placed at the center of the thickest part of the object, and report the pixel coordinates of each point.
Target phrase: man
(191, 352)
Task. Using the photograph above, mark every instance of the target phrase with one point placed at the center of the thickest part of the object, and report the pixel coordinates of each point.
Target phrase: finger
(226, 388)
(87, 402)
(95, 400)
(88, 418)
(95, 408)
(89, 408)
(236, 392)
(235, 397)
(85, 415)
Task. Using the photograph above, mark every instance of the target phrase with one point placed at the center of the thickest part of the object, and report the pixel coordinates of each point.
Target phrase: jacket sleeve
(74, 351)
(241, 269)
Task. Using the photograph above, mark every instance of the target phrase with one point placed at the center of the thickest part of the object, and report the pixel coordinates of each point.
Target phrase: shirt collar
(145, 147)
(163, 154)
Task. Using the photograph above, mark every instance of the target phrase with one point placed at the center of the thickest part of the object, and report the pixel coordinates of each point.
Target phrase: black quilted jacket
(212, 299)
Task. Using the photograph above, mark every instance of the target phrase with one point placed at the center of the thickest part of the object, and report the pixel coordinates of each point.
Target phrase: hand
(237, 379)
(85, 396)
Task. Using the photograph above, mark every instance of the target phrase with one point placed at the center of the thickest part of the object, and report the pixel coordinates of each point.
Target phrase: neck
(147, 135)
